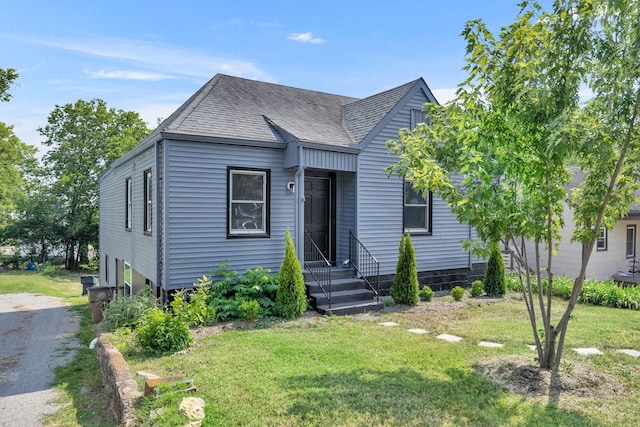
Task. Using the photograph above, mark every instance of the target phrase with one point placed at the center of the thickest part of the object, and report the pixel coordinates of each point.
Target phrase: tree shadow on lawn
(407, 397)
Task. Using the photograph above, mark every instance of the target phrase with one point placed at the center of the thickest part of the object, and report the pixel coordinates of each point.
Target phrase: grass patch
(79, 383)
(339, 371)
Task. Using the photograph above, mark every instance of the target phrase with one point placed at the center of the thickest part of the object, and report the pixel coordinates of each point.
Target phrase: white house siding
(380, 209)
(603, 264)
(134, 246)
(196, 210)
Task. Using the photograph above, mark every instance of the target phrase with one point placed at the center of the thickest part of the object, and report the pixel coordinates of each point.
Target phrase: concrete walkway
(37, 336)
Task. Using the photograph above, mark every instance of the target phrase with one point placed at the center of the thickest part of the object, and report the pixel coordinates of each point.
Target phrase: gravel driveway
(36, 335)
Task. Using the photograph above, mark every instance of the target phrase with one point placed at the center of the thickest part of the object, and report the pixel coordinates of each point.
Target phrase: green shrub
(404, 289)
(161, 332)
(457, 293)
(250, 310)
(126, 311)
(477, 288)
(195, 310)
(291, 298)
(426, 294)
(494, 278)
(232, 289)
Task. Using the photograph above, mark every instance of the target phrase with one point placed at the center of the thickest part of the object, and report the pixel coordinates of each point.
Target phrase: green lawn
(346, 372)
(62, 285)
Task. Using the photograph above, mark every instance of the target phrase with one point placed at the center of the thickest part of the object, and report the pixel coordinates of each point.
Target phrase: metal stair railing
(365, 264)
(317, 265)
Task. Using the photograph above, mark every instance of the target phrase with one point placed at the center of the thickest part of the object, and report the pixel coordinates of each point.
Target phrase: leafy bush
(195, 310)
(250, 310)
(494, 279)
(457, 293)
(161, 332)
(228, 293)
(291, 297)
(426, 294)
(125, 312)
(404, 289)
(477, 288)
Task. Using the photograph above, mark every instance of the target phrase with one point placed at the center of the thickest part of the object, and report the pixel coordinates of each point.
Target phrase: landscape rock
(192, 407)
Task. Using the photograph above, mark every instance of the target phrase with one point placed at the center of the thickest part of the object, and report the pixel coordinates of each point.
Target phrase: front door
(317, 213)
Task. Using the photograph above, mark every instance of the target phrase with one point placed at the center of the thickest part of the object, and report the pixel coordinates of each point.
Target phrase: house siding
(380, 208)
(132, 246)
(602, 264)
(196, 210)
(346, 213)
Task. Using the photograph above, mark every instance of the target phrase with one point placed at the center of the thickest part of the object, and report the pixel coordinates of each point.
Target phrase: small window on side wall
(417, 210)
(128, 204)
(631, 241)
(147, 202)
(248, 207)
(601, 244)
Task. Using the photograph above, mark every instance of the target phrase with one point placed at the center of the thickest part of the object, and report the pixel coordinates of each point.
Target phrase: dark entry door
(317, 213)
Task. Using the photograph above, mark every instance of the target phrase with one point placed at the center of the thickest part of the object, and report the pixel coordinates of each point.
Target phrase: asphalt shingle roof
(238, 108)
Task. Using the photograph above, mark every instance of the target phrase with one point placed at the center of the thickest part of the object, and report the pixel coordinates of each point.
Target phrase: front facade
(242, 161)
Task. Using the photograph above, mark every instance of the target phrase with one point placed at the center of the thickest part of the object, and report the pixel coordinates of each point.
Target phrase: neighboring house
(243, 160)
(615, 251)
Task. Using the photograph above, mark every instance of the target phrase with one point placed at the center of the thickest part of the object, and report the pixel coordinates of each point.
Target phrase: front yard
(354, 372)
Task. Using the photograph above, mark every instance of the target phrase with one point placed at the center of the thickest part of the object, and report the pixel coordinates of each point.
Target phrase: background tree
(85, 137)
(515, 124)
(7, 78)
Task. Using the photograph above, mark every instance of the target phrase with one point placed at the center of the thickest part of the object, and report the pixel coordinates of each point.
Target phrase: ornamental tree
(499, 154)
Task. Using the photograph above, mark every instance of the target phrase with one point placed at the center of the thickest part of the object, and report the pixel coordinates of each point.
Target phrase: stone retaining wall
(121, 388)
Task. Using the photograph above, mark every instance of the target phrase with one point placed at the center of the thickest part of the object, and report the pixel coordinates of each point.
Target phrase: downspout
(158, 217)
(299, 206)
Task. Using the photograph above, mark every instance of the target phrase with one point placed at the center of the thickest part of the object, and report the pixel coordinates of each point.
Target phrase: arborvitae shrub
(291, 298)
(404, 289)
(477, 288)
(426, 294)
(494, 279)
(457, 293)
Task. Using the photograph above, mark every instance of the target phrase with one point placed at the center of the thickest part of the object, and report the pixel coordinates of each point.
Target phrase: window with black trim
(248, 206)
(147, 202)
(631, 241)
(128, 206)
(601, 244)
(417, 210)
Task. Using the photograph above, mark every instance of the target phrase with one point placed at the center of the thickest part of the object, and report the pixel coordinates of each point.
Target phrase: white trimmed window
(128, 204)
(128, 279)
(147, 202)
(631, 241)
(248, 202)
(601, 244)
(417, 210)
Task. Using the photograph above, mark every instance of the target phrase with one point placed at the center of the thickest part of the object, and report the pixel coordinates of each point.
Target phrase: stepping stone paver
(449, 338)
(628, 352)
(388, 324)
(588, 351)
(417, 331)
(490, 344)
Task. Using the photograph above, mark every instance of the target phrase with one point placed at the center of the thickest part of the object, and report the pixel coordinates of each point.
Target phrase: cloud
(305, 38)
(159, 59)
(128, 75)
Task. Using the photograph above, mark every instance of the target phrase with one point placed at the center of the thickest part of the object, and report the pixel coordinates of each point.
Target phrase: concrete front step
(337, 285)
(342, 309)
(336, 273)
(346, 296)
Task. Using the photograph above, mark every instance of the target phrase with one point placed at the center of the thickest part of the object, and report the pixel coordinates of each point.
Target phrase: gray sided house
(241, 161)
